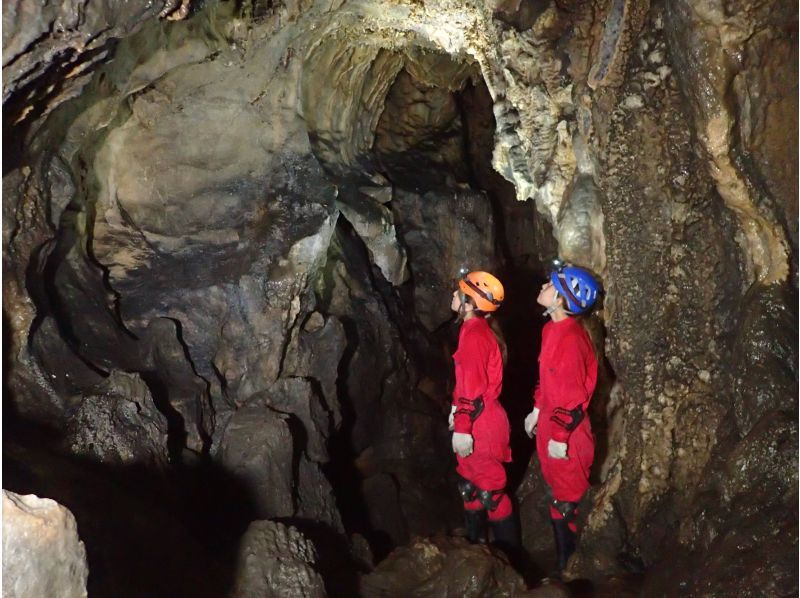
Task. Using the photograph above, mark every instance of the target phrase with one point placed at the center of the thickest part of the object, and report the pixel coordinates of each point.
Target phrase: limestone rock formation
(257, 446)
(735, 135)
(276, 561)
(444, 233)
(399, 446)
(121, 426)
(50, 52)
(375, 225)
(314, 353)
(534, 514)
(42, 553)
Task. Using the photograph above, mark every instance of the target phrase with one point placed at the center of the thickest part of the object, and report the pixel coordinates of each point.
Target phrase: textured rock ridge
(276, 561)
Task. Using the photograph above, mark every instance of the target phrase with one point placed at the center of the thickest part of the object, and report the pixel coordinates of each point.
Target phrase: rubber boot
(506, 532)
(565, 542)
(475, 522)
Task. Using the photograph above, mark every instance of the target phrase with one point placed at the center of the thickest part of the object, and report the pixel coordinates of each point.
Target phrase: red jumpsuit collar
(564, 322)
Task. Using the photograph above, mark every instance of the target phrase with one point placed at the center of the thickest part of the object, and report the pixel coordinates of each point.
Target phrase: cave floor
(145, 534)
(176, 533)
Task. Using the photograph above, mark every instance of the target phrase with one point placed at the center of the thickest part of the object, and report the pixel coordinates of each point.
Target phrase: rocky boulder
(276, 561)
(42, 553)
(121, 425)
(443, 566)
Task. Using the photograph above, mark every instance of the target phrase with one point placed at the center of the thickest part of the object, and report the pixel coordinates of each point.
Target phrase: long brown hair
(494, 325)
(499, 336)
(594, 325)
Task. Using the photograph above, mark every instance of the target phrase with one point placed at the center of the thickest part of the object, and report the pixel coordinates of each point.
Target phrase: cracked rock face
(230, 233)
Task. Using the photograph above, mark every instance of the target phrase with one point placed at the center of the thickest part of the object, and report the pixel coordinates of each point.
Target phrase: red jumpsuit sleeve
(494, 369)
(537, 393)
(471, 380)
(575, 382)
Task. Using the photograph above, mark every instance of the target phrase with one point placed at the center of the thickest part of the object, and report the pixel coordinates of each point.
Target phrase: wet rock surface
(395, 451)
(765, 358)
(706, 32)
(42, 553)
(676, 401)
(444, 232)
(229, 242)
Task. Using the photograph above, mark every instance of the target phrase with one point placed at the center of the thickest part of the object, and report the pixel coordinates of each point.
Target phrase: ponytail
(594, 328)
(498, 335)
(494, 325)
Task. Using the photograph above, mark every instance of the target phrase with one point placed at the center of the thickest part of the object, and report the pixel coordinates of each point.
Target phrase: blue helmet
(577, 286)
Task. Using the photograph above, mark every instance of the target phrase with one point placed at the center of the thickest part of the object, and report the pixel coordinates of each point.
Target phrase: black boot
(565, 541)
(475, 522)
(506, 532)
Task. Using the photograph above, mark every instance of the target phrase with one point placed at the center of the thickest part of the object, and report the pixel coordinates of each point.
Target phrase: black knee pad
(490, 499)
(467, 489)
(566, 508)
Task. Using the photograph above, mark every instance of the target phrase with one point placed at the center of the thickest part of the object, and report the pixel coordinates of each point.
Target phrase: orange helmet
(485, 290)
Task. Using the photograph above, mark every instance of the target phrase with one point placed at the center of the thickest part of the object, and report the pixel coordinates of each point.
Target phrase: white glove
(530, 422)
(450, 424)
(557, 450)
(462, 444)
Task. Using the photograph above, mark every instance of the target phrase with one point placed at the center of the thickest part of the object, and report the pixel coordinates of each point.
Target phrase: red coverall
(479, 373)
(567, 377)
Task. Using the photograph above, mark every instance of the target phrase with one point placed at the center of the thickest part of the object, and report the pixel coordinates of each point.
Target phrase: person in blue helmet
(567, 378)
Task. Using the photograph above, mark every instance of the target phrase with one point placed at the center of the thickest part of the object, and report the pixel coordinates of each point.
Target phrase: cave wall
(710, 237)
(205, 284)
(225, 207)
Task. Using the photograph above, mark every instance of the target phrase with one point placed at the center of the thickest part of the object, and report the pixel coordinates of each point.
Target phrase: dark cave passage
(433, 144)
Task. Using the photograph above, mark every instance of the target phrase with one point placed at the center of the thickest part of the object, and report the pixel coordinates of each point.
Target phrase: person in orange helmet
(478, 421)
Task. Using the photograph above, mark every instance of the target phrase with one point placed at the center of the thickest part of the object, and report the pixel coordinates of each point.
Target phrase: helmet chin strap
(462, 309)
(553, 307)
